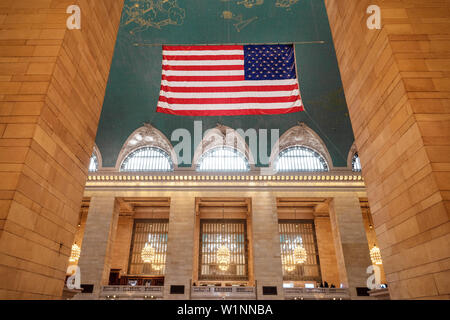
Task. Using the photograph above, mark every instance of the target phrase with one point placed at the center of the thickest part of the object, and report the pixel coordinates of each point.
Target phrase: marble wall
(397, 84)
(265, 259)
(52, 85)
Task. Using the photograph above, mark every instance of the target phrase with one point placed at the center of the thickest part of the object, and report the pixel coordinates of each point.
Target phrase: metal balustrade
(234, 293)
(211, 293)
(132, 292)
(316, 293)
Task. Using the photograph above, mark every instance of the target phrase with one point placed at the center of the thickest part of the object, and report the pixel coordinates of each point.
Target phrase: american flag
(229, 80)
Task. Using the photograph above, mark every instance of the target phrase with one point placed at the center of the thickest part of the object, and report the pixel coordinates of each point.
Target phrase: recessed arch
(156, 143)
(296, 138)
(223, 159)
(226, 138)
(147, 159)
(300, 159)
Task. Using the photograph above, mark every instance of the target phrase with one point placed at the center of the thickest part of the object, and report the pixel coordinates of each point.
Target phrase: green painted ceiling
(133, 88)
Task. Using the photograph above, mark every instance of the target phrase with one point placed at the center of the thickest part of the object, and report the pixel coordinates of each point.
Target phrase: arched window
(223, 159)
(93, 165)
(147, 159)
(356, 163)
(300, 159)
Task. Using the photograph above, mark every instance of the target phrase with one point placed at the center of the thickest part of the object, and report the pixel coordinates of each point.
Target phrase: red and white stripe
(210, 81)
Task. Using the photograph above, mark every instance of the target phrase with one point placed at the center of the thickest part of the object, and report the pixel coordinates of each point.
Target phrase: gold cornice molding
(167, 177)
(329, 179)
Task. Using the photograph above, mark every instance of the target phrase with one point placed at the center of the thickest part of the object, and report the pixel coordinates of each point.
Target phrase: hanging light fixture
(300, 254)
(147, 253)
(75, 253)
(375, 255)
(223, 253)
(223, 258)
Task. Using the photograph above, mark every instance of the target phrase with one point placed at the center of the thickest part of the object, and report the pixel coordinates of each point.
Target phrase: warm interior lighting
(75, 253)
(223, 250)
(300, 254)
(157, 266)
(148, 253)
(375, 255)
(288, 261)
(149, 246)
(158, 263)
(223, 253)
(223, 258)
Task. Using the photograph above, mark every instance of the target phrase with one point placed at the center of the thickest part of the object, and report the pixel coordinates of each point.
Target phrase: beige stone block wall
(266, 244)
(267, 268)
(328, 262)
(352, 250)
(397, 86)
(327, 252)
(122, 242)
(52, 84)
(99, 235)
(180, 244)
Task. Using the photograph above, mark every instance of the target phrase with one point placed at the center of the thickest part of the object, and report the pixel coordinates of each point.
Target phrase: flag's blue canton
(269, 62)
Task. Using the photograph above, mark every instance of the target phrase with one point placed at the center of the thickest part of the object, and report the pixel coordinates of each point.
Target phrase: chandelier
(75, 253)
(288, 262)
(300, 254)
(148, 253)
(375, 255)
(223, 258)
(223, 253)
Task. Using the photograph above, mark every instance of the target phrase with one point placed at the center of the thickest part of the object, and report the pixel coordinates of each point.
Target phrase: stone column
(397, 87)
(122, 244)
(266, 245)
(352, 250)
(180, 244)
(52, 85)
(98, 240)
(327, 250)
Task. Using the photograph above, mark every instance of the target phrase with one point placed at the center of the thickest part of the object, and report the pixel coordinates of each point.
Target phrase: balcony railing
(132, 292)
(316, 293)
(233, 293)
